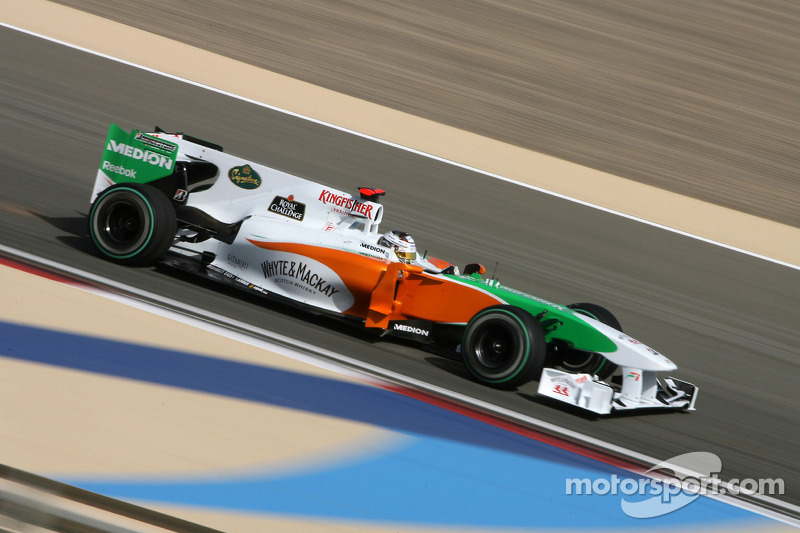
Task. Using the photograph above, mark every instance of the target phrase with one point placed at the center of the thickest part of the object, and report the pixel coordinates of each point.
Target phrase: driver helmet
(402, 243)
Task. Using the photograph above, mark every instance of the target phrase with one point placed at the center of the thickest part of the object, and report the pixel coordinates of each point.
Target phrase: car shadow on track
(75, 227)
(449, 363)
(76, 236)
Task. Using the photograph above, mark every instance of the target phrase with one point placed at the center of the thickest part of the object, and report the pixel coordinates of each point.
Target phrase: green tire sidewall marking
(149, 235)
(527, 344)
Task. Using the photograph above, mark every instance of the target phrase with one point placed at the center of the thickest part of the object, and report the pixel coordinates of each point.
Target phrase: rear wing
(134, 157)
(232, 187)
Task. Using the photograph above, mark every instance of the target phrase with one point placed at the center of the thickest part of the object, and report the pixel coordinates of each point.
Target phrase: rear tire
(132, 224)
(581, 362)
(504, 346)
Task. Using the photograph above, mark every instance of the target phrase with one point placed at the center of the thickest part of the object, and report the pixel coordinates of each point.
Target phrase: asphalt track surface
(697, 97)
(728, 320)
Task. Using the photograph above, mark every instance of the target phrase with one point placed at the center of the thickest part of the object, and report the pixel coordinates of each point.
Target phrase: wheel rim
(494, 347)
(123, 224)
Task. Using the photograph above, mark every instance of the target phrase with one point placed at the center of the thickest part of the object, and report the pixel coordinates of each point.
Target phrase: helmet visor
(407, 255)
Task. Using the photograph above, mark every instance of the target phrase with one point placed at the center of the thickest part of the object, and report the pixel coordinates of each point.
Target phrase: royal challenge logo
(288, 207)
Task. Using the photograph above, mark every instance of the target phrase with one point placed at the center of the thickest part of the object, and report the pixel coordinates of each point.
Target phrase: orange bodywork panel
(441, 299)
(383, 304)
(385, 290)
(360, 273)
(417, 294)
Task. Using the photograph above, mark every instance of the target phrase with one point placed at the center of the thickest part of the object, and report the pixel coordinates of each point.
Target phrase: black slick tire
(504, 346)
(132, 224)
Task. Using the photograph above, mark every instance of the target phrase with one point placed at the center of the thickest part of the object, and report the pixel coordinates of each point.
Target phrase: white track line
(404, 148)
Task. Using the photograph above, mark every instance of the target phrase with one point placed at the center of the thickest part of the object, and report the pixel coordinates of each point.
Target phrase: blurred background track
(697, 97)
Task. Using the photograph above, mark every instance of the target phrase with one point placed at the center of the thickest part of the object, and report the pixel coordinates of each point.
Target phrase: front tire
(504, 346)
(132, 224)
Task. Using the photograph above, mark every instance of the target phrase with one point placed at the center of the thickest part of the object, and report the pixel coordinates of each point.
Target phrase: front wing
(640, 389)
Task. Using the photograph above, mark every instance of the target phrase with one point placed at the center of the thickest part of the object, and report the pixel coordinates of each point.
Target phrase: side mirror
(473, 268)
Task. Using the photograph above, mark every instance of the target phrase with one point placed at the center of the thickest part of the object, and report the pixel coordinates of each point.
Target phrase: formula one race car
(175, 199)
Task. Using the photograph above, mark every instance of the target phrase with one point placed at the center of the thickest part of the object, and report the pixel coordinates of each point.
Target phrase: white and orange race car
(171, 198)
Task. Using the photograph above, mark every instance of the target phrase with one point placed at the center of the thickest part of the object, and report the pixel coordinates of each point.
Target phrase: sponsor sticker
(245, 176)
(304, 279)
(376, 251)
(136, 156)
(156, 143)
(300, 275)
(562, 390)
(237, 262)
(411, 328)
(133, 152)
(347, 203)
(288, 207)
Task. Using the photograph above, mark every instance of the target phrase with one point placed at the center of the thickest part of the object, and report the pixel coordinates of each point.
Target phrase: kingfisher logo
(245, 177)
(147, 156)
(348, 203)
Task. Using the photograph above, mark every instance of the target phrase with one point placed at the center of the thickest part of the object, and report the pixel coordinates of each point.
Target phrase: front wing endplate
(587, 392)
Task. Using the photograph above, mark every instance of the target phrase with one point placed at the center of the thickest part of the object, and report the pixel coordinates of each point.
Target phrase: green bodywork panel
(137, 157)
(558, 321)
